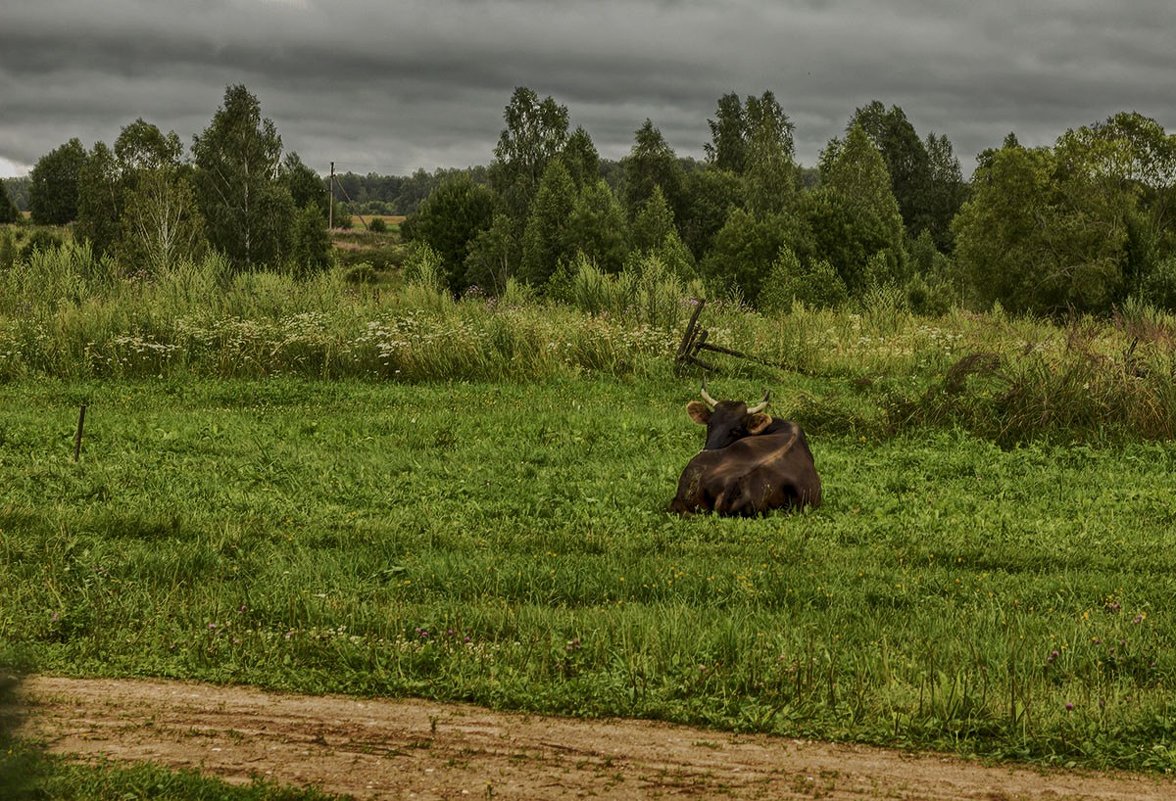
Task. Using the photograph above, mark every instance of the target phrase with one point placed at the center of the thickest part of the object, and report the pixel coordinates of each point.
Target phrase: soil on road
(412, 749)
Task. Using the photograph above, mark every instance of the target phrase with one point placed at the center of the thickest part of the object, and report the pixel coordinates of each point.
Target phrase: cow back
(754, 475)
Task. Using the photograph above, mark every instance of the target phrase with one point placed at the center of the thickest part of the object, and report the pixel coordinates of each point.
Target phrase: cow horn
(710, 402)
(759, 407)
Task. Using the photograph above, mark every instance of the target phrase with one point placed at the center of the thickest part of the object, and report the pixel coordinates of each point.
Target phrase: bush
(381, 258)
(378, 226)
(1158, 286)
(41, 240)
(311, 247)
(816, 285)
(360, 274)
(930, 296)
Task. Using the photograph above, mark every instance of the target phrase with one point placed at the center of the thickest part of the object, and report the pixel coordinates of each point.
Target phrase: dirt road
(410, 749)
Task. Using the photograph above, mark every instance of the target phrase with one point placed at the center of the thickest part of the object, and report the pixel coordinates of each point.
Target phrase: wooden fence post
(78, 435)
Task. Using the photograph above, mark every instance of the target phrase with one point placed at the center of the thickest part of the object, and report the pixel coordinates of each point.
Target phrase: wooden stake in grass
(78, 435)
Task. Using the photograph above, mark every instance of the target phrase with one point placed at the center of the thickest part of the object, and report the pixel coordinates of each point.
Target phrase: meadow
(317, 486)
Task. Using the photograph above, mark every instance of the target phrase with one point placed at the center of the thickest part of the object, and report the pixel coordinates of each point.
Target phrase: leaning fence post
(684, 347)
(78, 435)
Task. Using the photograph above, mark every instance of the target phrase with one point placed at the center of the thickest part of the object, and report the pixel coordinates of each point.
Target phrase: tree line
(147, 204)
(1079, 226)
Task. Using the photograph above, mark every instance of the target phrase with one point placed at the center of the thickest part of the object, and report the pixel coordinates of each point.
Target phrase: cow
(751, 463)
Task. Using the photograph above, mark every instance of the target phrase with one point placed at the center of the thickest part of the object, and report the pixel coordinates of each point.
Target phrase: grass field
(504, 542)
(324, 485)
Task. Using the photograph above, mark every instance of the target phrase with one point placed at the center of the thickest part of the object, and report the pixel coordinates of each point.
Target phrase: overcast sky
(390, 86)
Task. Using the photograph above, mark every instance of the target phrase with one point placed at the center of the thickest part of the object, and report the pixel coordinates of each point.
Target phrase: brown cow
(751, 464)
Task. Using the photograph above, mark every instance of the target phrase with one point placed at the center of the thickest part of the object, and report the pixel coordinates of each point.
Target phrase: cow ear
(698, 412)
(758, 422)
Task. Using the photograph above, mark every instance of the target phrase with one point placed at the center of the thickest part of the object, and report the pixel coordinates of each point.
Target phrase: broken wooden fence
(694, 341)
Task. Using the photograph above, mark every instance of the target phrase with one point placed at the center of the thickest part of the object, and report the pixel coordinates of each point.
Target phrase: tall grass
(60, 315)
(646, 292)
(878, 369)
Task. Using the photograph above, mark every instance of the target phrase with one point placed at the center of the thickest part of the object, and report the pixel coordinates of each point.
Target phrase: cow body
(752, 464)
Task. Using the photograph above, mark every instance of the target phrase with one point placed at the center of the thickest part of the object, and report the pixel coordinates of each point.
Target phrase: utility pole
(331, 202)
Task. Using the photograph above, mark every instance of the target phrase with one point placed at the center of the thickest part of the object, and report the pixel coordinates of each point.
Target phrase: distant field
(505, 543)
(393, 221)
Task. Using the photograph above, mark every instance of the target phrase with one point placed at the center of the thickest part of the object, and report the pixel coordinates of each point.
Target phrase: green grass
(34, 776)
(332, 485)
(875, 368)
(505, 543)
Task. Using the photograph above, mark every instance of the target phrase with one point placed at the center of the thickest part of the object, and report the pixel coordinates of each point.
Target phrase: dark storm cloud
(390, 87)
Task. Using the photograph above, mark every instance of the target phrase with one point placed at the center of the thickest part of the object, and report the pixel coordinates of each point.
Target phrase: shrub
(816, 285)
(930, 295)
(311, 246)
(40, 240)
(1158, 286)
(362, 273)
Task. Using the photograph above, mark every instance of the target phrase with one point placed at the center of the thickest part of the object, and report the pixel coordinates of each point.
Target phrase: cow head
(727, 421)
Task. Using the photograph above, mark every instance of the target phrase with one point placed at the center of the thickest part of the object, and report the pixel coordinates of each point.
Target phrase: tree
(676, 257)
(727, 149)
(18, 190)
(143, 146)
(580, 157)
(652, 163)
(161, 225)
(771, 176)
(652, 223)
(837, 239)
(100, 200)
(816, 285)
(536, 132)
(984, 157)
(494, 255)
(995, 232)
(946, 191)
(711, 194)
(596, 227)
(8, 210)
(310, 250)
(1140, 156)
(906, 159)
(653, 234)
(747, 246)
(413, 191)
(448, 221)
(246, 208)
(855, 181)
(53, 192)
(1045, 230)
(305, 185)
(546, 239)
